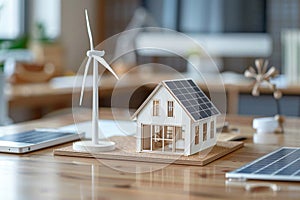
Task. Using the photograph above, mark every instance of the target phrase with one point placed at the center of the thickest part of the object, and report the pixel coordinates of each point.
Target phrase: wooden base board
(125, 150)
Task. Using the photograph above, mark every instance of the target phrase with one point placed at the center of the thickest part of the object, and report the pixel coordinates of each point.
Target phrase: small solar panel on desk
(282, 164)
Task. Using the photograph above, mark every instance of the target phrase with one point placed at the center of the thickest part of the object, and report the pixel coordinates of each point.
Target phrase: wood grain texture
(40, 175)
(125, 150)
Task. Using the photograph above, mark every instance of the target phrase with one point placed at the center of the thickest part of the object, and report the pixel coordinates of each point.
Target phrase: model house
(176, 118)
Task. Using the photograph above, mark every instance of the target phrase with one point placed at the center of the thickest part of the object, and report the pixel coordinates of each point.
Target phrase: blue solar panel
(282, 164)
(192, 98)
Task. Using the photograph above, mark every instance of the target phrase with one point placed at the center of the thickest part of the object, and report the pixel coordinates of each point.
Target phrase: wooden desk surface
(40, 175)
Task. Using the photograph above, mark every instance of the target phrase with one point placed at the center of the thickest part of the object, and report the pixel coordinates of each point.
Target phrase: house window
(155, 111)
(170, 108)
(12, 18)
(212, 129)
(204, 131)
(196, 135)
(51, 25)
(169, 132)
(157, 133)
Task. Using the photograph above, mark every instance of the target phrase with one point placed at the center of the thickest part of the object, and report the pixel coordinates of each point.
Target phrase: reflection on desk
(41, 175)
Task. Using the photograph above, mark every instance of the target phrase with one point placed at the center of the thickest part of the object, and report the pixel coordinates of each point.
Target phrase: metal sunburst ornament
(262, 76)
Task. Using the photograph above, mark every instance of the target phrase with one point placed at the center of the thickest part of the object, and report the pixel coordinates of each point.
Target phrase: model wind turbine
(95, 55)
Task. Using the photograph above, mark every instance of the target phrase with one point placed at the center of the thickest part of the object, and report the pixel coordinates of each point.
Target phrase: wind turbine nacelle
(91, 53)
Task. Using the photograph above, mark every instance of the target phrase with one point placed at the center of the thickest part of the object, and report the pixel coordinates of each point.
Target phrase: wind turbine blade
(89, 29)
(84, 78)
(106, 65)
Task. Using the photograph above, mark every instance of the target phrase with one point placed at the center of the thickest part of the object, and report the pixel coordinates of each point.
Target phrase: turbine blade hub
(92, 53)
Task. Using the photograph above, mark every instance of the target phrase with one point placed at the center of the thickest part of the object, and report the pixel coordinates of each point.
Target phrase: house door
(167, 138)
(146, 137)
(162, 138)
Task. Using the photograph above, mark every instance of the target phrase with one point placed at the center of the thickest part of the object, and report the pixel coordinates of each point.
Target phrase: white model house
(176, 118)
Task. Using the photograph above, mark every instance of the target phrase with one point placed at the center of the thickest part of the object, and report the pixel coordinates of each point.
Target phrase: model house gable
(177, 117)
(187, 94)
(161, 108)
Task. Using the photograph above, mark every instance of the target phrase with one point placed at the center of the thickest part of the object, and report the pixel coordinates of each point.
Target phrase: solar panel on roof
(282, 164)
(192, 98)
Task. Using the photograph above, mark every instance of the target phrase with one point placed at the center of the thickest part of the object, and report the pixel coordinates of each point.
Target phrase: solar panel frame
(34, 136)
(273, 166)
(192, 98)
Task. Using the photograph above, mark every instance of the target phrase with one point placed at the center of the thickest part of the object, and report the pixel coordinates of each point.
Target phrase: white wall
(180, 117)
(74, 38)
(209, 141)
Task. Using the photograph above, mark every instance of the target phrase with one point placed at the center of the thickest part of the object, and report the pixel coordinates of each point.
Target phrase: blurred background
(43, 44)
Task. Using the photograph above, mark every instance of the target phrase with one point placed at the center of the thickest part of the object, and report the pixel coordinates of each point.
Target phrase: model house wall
(165, 127)
(179, 119)
(207, 139)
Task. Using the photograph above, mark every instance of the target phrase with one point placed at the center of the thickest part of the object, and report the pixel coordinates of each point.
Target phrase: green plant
(1, 67)
(41, 33)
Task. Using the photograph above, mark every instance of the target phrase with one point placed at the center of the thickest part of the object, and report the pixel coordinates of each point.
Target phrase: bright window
(11, 18)
(196, 135)
(47, 14)
(204, 131)
(170, 108)
(169, 132)
(155, 107)
(212, 129)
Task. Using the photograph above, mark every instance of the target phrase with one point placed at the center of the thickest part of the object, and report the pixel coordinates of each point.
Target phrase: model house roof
(189, 96)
